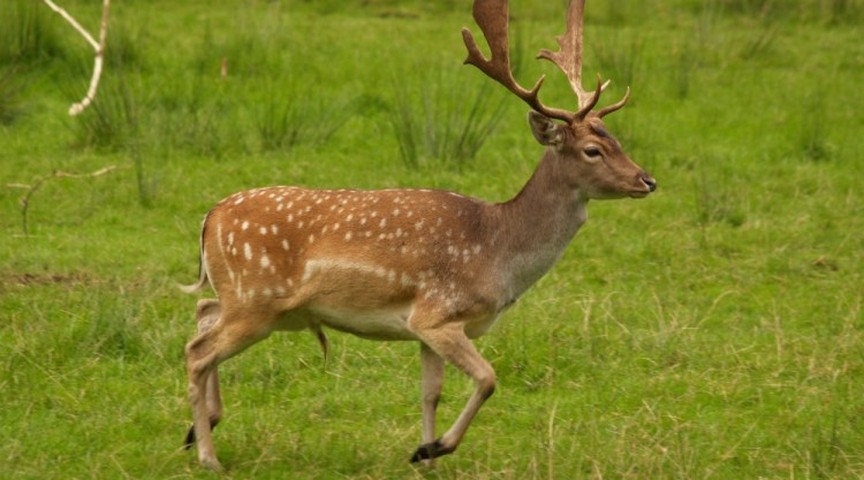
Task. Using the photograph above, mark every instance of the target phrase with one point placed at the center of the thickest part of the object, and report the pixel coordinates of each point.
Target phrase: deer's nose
(649, 181)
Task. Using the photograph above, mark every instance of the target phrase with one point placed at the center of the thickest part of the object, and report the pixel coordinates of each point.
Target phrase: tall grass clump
(842, 11)
(12, 104)
(760, 42)
(686, 62)
(197, 114)
(717, 199)
(285, 120)
(444, 119)
(619, 58)
(831, 12)
(110, 122)
(27, 34)
(690, 54)
(125, 46)
(812, 138)
(256, 48)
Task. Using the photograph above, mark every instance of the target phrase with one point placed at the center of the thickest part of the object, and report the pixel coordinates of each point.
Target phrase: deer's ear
(545, 130)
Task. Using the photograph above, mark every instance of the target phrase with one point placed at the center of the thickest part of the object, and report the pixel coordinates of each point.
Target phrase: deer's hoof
(429, 451)
(210, 463)
(190, 438)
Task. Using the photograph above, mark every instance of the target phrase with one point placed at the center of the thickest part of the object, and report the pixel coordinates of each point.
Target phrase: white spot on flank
(262, 230)
(265, 261)
(285, 245)
(245, 225)
(274, 228)
(247, 251)
(348, 236)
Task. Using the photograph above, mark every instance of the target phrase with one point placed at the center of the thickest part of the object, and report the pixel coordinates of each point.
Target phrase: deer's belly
(380, 324)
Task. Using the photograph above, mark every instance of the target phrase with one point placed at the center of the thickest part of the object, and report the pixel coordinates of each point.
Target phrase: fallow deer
(406, 264)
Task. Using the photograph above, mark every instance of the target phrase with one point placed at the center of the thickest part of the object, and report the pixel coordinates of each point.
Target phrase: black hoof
(430, 451)
(190, 437)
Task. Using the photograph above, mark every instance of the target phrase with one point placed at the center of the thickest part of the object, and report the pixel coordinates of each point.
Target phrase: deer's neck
(539, 223)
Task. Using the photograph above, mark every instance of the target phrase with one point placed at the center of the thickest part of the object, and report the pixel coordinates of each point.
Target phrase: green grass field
(712, 330)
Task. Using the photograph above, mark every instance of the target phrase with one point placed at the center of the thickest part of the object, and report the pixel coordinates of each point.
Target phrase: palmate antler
(492, 16)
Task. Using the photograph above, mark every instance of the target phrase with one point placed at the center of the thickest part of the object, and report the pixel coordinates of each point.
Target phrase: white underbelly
(382, 324)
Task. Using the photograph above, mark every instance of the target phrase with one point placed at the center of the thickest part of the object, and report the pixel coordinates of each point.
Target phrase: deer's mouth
(648, 185)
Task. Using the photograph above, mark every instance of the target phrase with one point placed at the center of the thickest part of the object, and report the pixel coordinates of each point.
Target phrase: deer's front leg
(448, 340)
(432, 369)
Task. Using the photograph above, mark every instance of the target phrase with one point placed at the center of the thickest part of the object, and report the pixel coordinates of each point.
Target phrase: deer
(431, 266)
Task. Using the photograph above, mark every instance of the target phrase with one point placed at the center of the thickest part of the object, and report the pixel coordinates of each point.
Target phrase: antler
(492, 17)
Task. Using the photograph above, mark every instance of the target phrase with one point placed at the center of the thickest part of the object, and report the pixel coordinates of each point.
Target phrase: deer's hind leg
(234, 331)
(206, 314)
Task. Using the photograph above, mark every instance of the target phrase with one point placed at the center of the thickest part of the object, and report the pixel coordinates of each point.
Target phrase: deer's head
(592, 160)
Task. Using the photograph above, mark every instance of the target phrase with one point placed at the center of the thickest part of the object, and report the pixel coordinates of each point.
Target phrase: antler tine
(611, 108)
(569, 57)
(569, 60)
(492, 16)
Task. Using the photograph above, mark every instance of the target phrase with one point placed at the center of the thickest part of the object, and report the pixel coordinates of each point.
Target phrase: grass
(713, 330)
(433, 126)
(12, 105)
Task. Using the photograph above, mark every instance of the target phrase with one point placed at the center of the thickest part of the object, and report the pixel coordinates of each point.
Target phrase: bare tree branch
(39, 181)
(98, 47)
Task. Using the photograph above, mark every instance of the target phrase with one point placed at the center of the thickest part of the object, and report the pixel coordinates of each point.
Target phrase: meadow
(711, 330)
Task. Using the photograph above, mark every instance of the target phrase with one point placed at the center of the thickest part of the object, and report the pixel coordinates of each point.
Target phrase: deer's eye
(593, 152)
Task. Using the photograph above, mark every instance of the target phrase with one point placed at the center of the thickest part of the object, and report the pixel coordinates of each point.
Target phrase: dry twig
(39, 181)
